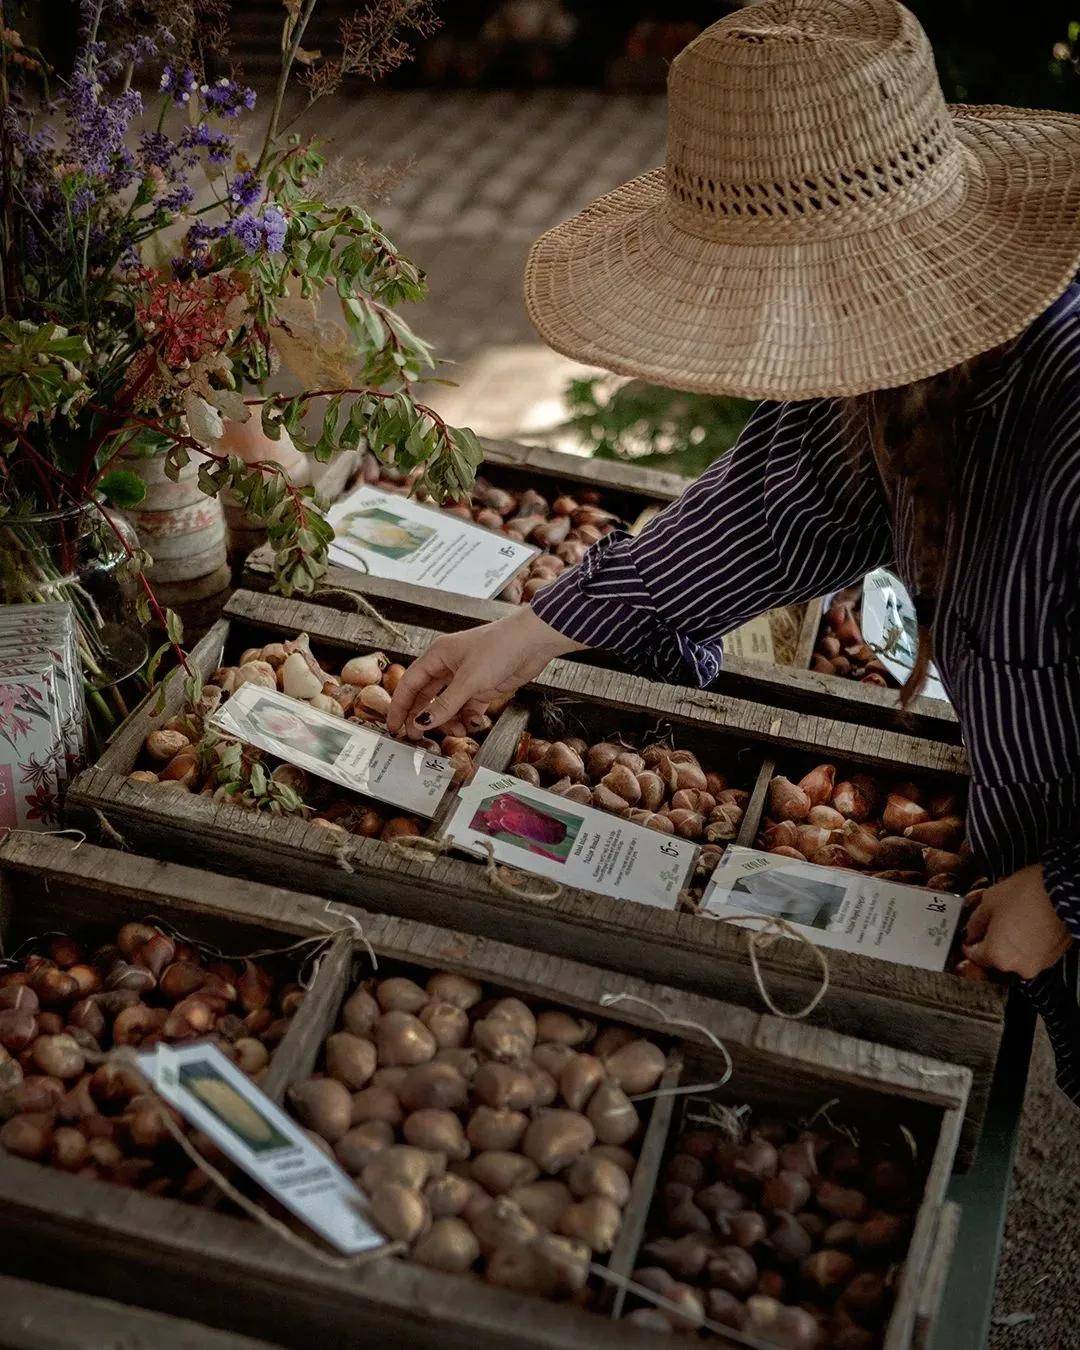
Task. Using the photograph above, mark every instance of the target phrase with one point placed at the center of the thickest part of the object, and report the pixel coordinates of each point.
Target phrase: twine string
(772, 929)
(608, 1000)
(353, 926)
(499, 875)
(78, 835)
(366, 608)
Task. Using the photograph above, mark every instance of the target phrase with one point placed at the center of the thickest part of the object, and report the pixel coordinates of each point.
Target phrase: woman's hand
(461, 673)
(1014, 927)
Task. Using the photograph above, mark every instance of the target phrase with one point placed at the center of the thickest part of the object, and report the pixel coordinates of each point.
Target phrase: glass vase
(75, 556)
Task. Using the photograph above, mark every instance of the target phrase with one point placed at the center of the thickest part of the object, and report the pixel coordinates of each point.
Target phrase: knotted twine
(498, 874)
(772, 929)
(365, 607)
(80, 837)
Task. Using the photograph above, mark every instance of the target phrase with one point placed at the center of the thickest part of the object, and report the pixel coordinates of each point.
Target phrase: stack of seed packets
(42, 713)
(550, 836)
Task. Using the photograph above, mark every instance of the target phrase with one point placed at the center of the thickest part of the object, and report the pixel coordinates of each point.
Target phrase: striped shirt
(786, 515)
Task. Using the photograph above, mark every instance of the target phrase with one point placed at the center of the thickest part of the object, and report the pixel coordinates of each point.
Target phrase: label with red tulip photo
(550, 836)
(835, 907)
(346, 753)
(396, 537)
(216, 1097)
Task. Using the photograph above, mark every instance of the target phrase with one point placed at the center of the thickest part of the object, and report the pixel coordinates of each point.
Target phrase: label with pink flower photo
(549, 836)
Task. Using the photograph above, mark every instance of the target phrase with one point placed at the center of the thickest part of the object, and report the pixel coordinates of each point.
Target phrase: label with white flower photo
(550, 836)
(890, 627)
(343, 752)
(214, 1096)
(835, 907)
(395, 537)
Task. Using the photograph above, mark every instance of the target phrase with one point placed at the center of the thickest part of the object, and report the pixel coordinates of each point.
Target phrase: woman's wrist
(540, 635)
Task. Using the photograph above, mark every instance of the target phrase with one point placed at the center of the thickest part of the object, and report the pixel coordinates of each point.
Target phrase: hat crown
(798, 117)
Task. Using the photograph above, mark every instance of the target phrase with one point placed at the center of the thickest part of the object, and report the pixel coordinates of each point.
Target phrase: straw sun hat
(825, 224)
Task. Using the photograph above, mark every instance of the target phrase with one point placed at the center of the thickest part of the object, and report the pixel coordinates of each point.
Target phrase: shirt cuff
(1061, 877)
(603, 602)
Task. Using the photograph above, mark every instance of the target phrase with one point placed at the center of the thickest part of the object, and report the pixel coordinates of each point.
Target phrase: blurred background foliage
(988, 51)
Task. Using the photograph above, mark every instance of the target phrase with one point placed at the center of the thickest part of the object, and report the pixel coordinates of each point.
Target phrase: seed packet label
(398, 538)
(29, 747)
(342, 752)
(890, 627)
(545, 834)
(753, 641)
(835, 908)
(214, 1096)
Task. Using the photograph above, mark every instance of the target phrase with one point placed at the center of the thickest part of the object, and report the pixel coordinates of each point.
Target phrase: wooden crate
(637, 494)
(898, 1005)
(42, 1317)
(234, 1275)
(868, 702)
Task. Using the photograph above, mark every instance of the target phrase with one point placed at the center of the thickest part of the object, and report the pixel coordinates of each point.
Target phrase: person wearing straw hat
(894, 277)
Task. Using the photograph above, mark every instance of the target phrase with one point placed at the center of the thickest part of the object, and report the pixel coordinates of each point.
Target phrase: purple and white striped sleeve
(784, 516)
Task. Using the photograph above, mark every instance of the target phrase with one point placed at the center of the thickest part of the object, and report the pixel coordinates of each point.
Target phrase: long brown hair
(913, 432)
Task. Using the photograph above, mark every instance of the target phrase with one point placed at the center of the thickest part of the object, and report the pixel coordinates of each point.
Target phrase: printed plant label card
(836, 908)
(398, 538)
(545, 834)
(214, 1096)
(346, 753)
(29, 782)
(891, 629)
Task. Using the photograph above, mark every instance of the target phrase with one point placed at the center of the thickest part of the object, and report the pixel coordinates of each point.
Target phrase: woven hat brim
(619, 286)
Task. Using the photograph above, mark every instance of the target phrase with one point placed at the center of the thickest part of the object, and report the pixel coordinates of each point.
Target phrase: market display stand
(918, 1010)
(177, 1257)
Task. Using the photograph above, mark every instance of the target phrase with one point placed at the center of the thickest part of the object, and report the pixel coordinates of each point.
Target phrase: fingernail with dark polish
(423, 719)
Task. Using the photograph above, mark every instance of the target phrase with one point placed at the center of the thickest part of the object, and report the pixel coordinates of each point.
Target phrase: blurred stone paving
(491, 170)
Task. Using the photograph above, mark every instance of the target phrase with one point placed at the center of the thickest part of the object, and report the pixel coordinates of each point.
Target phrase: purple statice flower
(265, 233)
(274, 229)
(227, 98)
(217, 144)
(201, 234)
(245, 190)
(178, 84)
(247, 229)
(97, 126)
(177, 199)
(82, 202)
(157, 149)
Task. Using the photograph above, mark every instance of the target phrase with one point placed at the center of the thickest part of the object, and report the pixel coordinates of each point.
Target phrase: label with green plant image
(214, 1096)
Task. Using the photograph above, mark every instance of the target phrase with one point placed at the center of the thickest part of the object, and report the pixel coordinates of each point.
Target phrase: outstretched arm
(785, 516)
